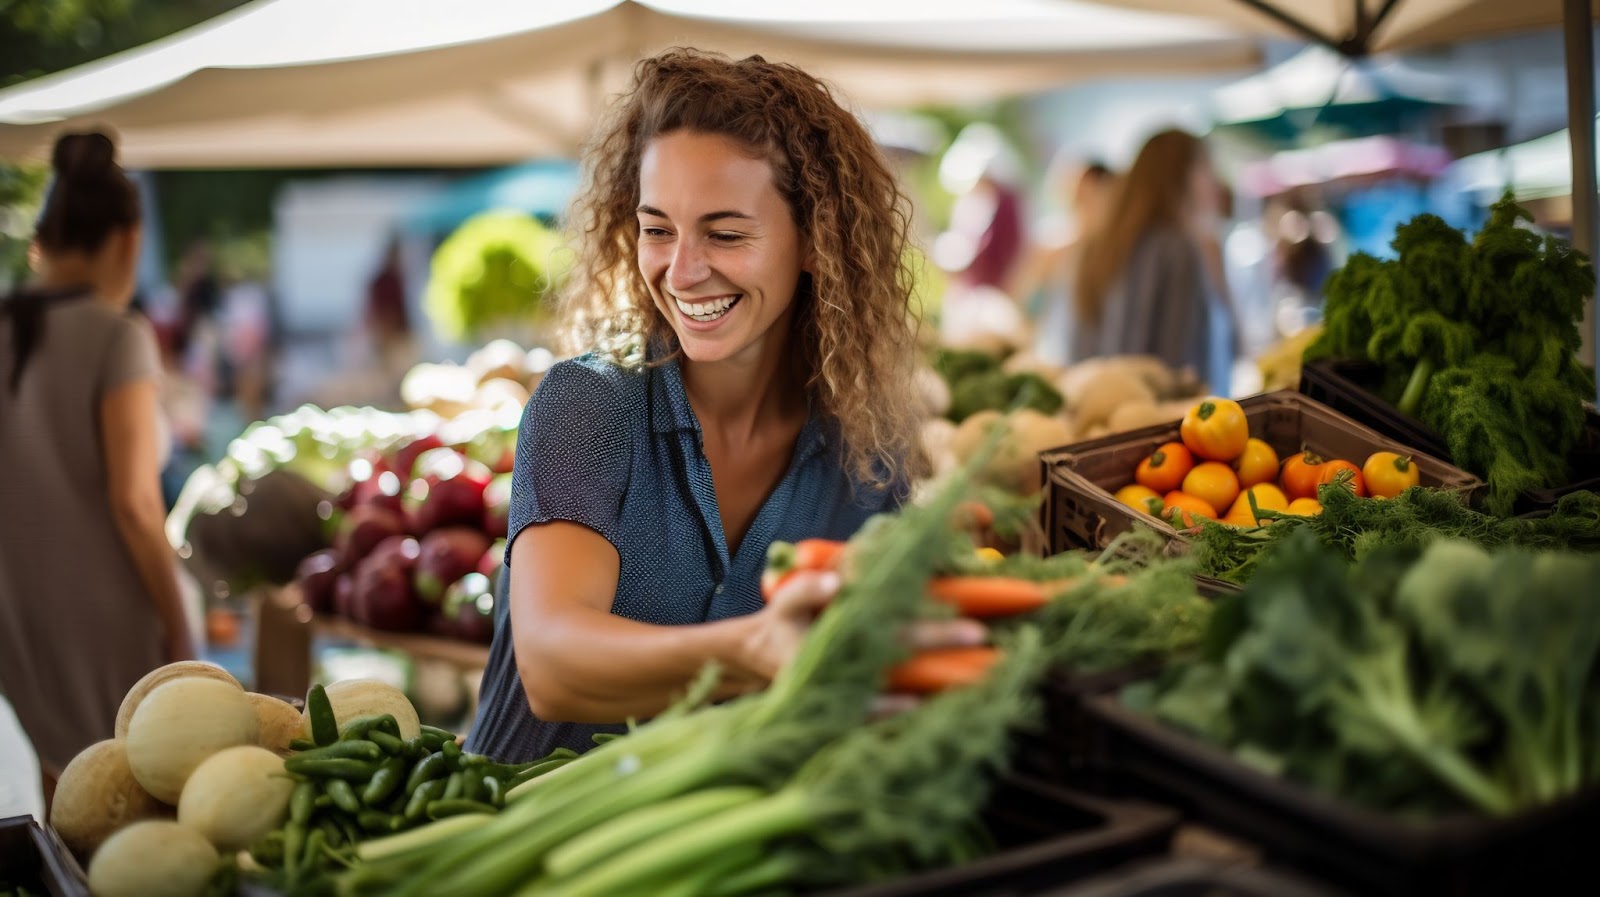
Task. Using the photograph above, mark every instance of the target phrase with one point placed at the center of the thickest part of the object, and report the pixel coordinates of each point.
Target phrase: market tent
(1319, 90)
(1362, 26)
(417, 82)
(1538, 169)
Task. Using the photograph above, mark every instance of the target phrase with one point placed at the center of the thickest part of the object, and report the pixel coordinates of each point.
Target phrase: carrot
(973, 515)
(818, 554)
(988, 596)
(933, 671)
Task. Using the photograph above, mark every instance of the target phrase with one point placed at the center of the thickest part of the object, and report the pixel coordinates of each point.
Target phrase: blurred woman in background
(89, 598)
(1051, 263)
(1148, 283)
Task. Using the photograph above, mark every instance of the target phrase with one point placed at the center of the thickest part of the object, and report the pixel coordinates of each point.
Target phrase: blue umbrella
(541, 189)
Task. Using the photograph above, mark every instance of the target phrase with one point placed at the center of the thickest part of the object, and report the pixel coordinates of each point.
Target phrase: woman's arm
(130, 444)
(581, 663)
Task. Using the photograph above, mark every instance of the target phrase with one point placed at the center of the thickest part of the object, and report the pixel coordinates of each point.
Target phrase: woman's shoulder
(593, 383)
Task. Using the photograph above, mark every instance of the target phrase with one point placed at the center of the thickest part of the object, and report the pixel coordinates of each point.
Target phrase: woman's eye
(726, 238)
(650, 231)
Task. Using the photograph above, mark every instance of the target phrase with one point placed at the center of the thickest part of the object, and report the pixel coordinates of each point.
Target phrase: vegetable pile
(1477, 339)
(356, 778)
(800, 786)
(1352, 527)
(1424, 682)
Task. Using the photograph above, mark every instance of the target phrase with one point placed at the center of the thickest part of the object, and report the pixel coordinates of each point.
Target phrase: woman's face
(718, 246)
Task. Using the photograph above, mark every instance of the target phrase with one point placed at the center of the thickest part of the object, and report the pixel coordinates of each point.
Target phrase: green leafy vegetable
(1478, 339)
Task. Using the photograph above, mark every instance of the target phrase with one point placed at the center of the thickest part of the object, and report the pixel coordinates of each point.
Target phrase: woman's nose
(688, 266)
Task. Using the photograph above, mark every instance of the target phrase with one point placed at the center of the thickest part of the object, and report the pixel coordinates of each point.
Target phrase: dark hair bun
(87, 155)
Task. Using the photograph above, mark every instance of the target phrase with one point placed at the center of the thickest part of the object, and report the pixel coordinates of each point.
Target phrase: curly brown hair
(853, 326)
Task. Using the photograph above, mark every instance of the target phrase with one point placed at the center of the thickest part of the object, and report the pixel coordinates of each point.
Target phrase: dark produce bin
(1080, 512)
(1191, 877)
(1546, 851)
(1346, 387)
(32, 856)
(1046, 836)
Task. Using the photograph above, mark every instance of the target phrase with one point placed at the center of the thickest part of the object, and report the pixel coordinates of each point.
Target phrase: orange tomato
(1268, 498)
(1331, 469)
(1213, 483)
(1300, 473)
(1305, 507)
(1165, 469)
(1258, 464)
(1215, 429)
(1138, 497)
(1387, 474)
(1186, 510)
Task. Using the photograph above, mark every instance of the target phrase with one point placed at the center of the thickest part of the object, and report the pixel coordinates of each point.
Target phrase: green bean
(432, 766)
(343, 750)
(301, 802)
(495, 790)
(439, 809)
(452, 754)
(343, 795)
(362, 726)
(353, 770)
(324, 725)
(302, 744)
(389, 777)
(454, 785)
(426, 793)
(390, 744)
(374, 821)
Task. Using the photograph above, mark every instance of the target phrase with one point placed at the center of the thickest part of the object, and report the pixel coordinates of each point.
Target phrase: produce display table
(286, 629)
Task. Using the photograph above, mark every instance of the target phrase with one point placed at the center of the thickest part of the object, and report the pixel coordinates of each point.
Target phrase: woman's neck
(69, 273)
(738, 397)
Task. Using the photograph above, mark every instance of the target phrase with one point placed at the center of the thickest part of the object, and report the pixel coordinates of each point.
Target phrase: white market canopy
(284, 83)
(1383, 25)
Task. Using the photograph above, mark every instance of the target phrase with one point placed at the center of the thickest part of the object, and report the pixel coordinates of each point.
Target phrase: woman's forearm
(143, 533)
(581, 664)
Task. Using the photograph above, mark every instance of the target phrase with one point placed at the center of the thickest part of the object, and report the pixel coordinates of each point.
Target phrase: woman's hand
(779, 628)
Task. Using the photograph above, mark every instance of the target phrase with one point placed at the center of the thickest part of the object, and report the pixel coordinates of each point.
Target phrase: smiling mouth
(709, 310)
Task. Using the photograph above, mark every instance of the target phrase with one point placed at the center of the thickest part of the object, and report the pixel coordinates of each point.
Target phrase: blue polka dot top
(618, 450)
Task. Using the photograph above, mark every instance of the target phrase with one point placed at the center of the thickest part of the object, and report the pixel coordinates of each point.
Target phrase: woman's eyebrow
(707, 217)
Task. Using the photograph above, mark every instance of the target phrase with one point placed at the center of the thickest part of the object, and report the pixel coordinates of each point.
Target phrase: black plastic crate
(1346, 386)
(33, 856)
(1545, 851)
(1193, 877)
(1046, 836)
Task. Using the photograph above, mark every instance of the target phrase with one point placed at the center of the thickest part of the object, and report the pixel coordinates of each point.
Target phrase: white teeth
(707, 311)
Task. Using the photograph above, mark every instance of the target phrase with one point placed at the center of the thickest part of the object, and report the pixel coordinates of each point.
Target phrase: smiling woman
(741, 294)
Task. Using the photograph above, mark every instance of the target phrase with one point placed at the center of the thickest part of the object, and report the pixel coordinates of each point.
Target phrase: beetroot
(344, 597)
(405, 457)
(384, 596)
(362, 529)
(497, 506)
(447, 491)
(447, 555)
(492, 559)
(469, 605)
(318, 575)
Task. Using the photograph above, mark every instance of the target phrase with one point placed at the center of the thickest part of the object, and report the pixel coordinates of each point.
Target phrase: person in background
(387, 321)
(1051, 261)
(1148, 283)
(742, 278)
(89, 598)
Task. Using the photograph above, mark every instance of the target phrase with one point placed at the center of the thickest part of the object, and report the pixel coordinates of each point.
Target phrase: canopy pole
(1579, 28)
(1294, 24)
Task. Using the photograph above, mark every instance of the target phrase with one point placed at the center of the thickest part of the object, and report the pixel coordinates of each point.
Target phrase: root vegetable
(97, 795)
(277, 722)
(355, 698)
(1105, 392)
(160, 676)
(236, 796)
(179, 725)
(153, 858)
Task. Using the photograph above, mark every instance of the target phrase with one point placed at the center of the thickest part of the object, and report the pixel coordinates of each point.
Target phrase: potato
(179, 725)
(160, 676)
(97, 795)
(277, 722)
(355, 698)
(236, 796)
(153, 858)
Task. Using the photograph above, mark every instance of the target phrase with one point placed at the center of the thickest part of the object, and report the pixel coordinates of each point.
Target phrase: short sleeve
(131, 356)
(574, 451)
